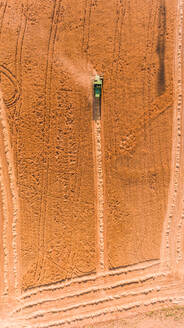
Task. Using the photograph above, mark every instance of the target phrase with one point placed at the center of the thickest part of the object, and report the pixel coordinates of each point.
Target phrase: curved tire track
(10, 205)
(173, 215)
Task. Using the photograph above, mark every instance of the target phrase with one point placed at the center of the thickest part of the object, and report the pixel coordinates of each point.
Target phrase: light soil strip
(104, 312)
(94, 301)
(1, 238)
(97, 132)
(91, 290)
(176, 227)
(4, 231)
(178, 239)
(10, 195)
(172, 293)
(74, 283)
(97, 302)
(169, 223)
(47, 118)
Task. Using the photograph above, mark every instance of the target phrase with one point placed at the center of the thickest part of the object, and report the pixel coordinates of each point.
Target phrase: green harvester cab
(97, 85)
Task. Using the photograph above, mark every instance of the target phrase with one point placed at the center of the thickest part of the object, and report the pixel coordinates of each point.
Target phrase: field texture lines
(91, 192)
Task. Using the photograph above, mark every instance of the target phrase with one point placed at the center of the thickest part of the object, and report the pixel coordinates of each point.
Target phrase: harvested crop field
(91, 205)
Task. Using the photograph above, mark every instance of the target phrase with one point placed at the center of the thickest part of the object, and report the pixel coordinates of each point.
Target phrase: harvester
(97, 85)
(97, 89)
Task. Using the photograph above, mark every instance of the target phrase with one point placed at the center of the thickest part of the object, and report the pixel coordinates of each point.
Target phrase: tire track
(153, 17)
(160, 12)
(92, 278)
(161, 78)
(121, 8)
(12, 79)
(8, 188)
(10, 197)
(123, 297)
(99, 142)
(46, 136)
(178, 229)
(18, 74)
(162, 19)
(147, 117)
(99, 190)
(85, 51)
(2, 16)
(2, 239)
(19, 46)
(4, 220)
(102, 289)
(87, 22)
(156, 109)
(141, 305)
(170, 225)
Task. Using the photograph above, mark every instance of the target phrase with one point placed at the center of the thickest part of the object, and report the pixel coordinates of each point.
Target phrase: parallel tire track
(143, 304)
(99, 182)
(4, 220)
(123, 297)
(11, 206)
(170, 225)
(2, 16)
(76, 282)
(178, 258)
(90, 290)
(121, 8)
(47, 118)
(18, 73)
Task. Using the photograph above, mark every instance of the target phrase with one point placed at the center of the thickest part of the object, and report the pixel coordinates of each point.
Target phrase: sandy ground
(92, 215)
(167, 317)
(142, 323)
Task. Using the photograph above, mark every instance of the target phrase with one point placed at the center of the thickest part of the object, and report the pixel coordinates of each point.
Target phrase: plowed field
(138, 111)
(90, 205)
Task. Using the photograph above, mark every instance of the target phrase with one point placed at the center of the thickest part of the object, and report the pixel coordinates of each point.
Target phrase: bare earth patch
(169, 317)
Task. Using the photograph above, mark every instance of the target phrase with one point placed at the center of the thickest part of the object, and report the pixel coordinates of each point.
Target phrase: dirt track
(91, 212)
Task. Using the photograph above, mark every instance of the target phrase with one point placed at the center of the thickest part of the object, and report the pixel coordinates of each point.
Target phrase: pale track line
(95, 301)
(5, 231)
(175, 238)
(179, 239)
(1, 238)
(12, 187)
(109, 298)
(100, 189)
(176, 233)
(93, 289)
(96, 130)
(53, 287)
(18, 74)
(176, 146)
(2, 16)
(106, 311)
(46, 136)
(4, 205)
(19, 48)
